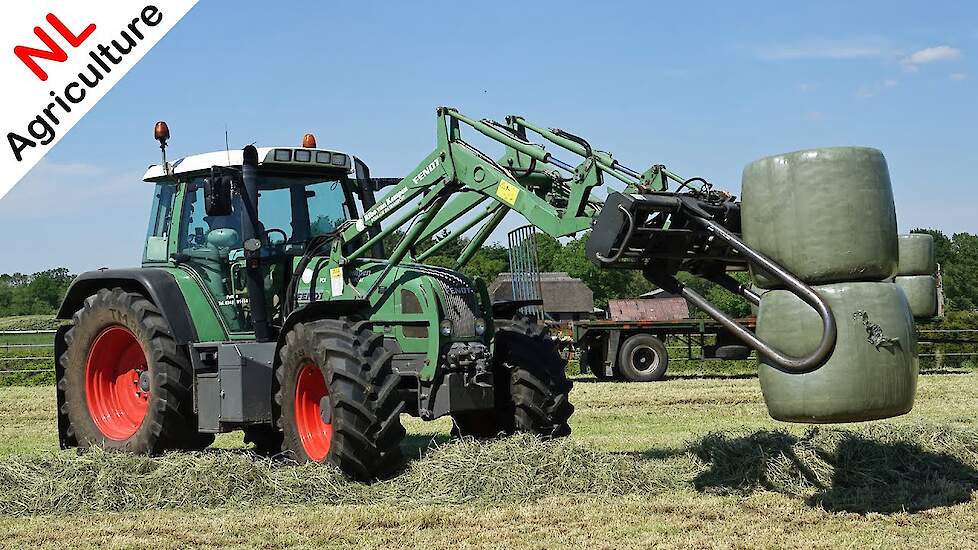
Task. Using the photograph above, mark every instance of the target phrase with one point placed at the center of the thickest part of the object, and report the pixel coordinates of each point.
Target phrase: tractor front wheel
(532, 388)
(337, 399)
(126, 383)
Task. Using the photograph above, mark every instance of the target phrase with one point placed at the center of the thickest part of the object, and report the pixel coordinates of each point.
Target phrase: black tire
(267, 440)
(365, 404)
(732, 352)
(169, 421)
(531, 390)
(595, 360)
(643, 358)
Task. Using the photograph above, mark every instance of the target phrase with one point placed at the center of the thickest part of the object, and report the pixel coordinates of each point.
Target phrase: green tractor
(266, 301)
(252, 311)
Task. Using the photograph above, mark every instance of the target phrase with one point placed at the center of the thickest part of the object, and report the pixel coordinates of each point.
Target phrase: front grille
(460, 305)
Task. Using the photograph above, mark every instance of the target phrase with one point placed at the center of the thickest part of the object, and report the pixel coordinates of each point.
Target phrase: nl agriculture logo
(59, 59)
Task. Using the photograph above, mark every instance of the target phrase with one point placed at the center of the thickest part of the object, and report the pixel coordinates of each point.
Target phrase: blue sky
(702, 88)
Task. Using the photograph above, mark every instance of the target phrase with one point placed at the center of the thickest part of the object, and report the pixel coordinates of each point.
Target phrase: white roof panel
(204, 161)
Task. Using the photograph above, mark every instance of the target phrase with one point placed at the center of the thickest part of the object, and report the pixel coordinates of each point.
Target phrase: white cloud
(805, 87)
(958, 76)
(930, 55)
(855, 48)
(889, 83)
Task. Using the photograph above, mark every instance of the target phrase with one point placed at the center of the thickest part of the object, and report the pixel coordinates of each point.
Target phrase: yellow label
(507, 192)
(336, 281)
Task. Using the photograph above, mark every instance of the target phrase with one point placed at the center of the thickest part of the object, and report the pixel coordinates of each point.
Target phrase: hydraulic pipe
(530, 149)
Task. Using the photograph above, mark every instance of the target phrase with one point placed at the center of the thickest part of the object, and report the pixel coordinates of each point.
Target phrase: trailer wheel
(126, 383)
(532, 386)
(595, 360)
(643, 358)
(337, 399)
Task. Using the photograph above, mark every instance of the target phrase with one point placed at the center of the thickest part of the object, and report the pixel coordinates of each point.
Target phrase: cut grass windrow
(883, 469)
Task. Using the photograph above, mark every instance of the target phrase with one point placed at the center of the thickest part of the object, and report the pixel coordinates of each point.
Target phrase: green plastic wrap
(916, 254)
(861, 380)
(825, 214)
(921, 293)
(760, 291)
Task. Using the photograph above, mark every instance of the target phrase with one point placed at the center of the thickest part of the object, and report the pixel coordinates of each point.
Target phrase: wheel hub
(144, 381)
(645, 358)
(117, 383)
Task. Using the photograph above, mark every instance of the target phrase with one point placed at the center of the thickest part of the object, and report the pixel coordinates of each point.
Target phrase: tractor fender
(158, 285)
(326, 309)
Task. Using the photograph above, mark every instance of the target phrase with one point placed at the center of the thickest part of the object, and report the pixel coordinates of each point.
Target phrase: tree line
(41, 293)
(34, 294)
(957, 255)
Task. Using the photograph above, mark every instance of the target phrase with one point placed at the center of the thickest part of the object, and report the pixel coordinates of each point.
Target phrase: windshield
(291, 209)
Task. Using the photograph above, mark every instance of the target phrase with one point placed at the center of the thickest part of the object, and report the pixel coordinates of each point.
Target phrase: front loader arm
(455, 179)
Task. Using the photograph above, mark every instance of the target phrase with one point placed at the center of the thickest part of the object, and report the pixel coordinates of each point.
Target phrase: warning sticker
(336, 281)
(507, 192)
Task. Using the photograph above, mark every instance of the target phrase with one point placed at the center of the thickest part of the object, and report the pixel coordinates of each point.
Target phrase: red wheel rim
(117, 401)
(315, 433)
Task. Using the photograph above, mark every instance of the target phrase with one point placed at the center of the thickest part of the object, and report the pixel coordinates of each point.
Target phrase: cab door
(209, 246)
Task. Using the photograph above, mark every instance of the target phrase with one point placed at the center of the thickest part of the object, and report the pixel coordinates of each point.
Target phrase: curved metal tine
(782, 362)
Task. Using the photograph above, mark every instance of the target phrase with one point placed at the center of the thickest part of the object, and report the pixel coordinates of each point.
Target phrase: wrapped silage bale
(760, 292)
(916, 254)
(921, 293)
(872, 371)
(826, 215)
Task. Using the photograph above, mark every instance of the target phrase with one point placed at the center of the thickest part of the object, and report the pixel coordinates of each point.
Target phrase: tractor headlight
(445, 328)
(480, 326)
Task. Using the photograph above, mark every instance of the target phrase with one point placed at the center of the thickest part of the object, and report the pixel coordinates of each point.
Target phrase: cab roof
(306, 159)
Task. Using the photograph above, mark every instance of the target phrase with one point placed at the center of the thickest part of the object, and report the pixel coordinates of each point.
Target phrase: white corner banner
(58, 59)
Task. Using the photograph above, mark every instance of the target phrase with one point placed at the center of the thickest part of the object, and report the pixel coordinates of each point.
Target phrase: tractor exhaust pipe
(253, 240)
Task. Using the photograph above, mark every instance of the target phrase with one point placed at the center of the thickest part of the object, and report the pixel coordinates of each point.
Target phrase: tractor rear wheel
(337, 398)
(126, 382)
(532, 386)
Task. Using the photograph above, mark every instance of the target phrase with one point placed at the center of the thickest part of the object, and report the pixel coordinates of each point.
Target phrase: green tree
(606, 284)
(958, 257)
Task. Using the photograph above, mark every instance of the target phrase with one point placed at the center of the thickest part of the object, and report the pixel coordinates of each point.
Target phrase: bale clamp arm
(649, 228)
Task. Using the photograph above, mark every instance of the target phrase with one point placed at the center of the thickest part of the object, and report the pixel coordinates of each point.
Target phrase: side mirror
(217, 192)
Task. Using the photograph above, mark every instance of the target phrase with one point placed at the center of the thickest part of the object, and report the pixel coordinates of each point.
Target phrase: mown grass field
(690, 462)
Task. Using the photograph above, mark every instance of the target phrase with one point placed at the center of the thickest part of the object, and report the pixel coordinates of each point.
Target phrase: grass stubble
(713, 473)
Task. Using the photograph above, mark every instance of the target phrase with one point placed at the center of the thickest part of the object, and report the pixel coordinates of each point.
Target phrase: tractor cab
(303, 192)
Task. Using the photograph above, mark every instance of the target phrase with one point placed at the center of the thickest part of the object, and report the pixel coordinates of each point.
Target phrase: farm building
(564, 297)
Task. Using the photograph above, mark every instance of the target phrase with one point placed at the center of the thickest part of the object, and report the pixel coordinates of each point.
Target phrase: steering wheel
(285, 236)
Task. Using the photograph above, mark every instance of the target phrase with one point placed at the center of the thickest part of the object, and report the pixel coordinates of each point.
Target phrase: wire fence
(28, 355)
